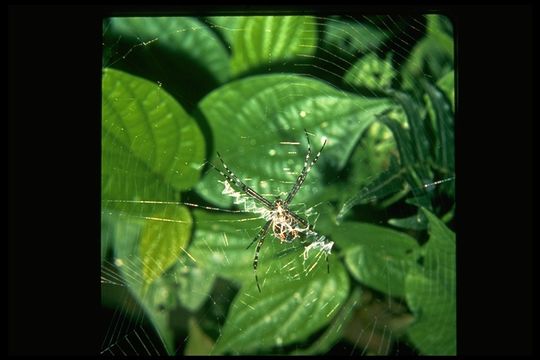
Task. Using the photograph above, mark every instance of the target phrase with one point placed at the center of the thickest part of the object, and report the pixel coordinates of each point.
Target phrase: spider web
(184, 309)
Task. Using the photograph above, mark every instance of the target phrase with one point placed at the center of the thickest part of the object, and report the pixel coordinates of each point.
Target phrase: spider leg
(305, 170)
(260, 236)
(263, 232)
(232, 178)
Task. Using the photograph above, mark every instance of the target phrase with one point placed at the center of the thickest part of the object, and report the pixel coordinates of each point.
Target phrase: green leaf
(163, 239)
(227, 26)
(266, 40)
(151, 148)
(267, 143)
(376, 256)
(198, 342)
(371, 72)
(419, 135)
(431, 292)
(220, 241)
(446, 84)
(444, 126)
(415, 170)
(388, 182)
(372, 154)
(195, 287)
(173, 44)
(414, 222)
(345, 37)
(295, 303)
(219, 247)
(334, 332)
(403, 140)
(157, 299)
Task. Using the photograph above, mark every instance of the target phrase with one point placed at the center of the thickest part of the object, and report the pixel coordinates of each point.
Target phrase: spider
(286, 226)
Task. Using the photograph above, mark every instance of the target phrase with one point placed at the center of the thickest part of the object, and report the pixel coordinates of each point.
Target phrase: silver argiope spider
(285, 224)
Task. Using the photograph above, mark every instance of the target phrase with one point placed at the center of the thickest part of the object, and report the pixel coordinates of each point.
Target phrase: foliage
(228, 84)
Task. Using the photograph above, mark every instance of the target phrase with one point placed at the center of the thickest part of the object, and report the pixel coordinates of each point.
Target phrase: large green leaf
(151, 148)
(295, 302)
(258, 125)
(261, 41)
(378, 257)
(163, 237)
(301, 289)
(431, 292)
(382, 259)
(334, 332)
(220, 241)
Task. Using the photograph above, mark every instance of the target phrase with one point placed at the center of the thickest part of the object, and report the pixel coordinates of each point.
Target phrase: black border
(54, 171)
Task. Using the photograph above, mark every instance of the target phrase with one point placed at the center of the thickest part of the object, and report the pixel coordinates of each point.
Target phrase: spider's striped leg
(232, 178)
(260, 236)
(306, 169)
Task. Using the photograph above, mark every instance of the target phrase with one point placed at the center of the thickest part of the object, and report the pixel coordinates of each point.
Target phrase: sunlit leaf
(227, 26)
(376, 256)
(163, 237)
(265, 40)
(431, 292)
(289, 309)
(151, 148)
(266, 147)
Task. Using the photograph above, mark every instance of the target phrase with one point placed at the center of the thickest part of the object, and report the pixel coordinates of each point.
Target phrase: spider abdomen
(285, 227)
(285, 232)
